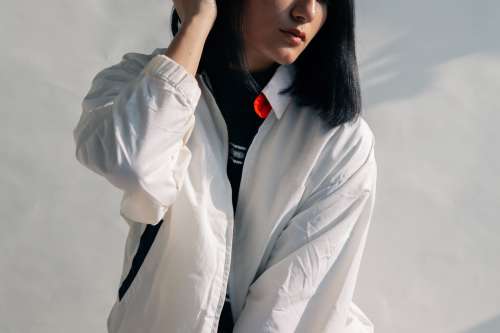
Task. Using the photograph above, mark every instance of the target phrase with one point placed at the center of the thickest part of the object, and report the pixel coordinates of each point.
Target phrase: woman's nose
(304, 10)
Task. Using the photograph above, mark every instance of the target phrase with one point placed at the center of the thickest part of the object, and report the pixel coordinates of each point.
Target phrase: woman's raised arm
(197, 17)
(136, 120)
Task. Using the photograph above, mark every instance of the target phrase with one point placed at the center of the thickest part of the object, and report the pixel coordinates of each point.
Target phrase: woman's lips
(291, 38)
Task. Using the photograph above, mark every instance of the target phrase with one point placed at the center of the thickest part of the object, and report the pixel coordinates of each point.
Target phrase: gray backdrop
(431, 80)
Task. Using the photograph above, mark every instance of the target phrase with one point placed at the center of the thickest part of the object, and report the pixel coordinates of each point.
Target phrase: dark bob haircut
(329, 60)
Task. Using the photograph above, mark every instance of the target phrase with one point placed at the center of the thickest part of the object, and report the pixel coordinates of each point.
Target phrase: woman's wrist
(201, 23)
(187, 46)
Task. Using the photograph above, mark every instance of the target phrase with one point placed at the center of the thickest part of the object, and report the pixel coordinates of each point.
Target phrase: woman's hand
(198, 18)
(189, 9)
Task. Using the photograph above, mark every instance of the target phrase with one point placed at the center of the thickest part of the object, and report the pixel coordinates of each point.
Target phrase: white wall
(431, 77)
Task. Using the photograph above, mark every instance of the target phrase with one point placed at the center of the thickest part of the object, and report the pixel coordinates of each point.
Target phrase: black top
(235, 100)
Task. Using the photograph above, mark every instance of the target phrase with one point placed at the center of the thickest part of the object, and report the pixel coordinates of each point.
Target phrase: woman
(232, 183)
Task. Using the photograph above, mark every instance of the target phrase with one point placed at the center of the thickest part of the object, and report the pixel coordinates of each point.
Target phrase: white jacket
(289, 256)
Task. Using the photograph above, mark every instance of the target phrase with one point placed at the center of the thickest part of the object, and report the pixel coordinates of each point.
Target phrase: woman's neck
(263, 76)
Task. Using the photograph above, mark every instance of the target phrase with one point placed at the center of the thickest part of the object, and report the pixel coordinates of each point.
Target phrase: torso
(235, 101)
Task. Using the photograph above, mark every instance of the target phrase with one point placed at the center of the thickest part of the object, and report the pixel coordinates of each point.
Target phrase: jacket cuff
(141, 208)
(166, 69)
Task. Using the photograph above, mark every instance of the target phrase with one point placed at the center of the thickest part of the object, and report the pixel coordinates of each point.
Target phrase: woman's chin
(286, 57)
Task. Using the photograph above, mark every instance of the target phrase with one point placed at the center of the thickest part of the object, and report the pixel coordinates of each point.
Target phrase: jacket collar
(281, 79)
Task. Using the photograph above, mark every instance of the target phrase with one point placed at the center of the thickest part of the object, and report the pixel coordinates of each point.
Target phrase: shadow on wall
(425, 34)
(488, 326)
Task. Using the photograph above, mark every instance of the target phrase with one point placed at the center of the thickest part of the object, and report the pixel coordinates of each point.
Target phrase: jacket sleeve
(135, 123)
(308, 282)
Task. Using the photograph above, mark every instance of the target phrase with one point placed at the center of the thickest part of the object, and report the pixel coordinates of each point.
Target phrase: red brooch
(261, 106)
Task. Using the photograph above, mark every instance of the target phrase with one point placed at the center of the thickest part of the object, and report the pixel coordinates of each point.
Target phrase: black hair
(329, 60)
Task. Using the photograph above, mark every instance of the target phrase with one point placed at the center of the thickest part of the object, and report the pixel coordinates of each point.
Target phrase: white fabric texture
(291, 253)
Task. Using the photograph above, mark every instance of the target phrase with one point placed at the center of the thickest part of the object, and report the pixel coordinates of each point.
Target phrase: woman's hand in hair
(189, 9)
(197, 19)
